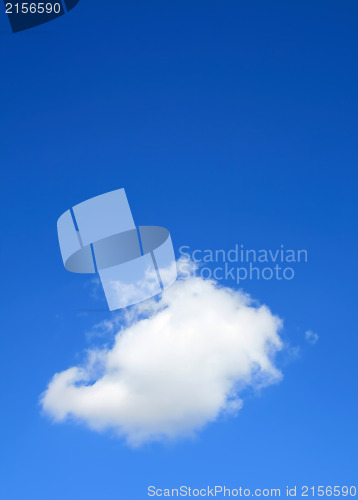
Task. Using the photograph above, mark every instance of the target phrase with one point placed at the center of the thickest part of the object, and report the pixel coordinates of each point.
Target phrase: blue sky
(226, 122)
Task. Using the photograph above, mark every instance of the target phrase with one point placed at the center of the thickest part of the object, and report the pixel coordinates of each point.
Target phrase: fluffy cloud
(177, 363)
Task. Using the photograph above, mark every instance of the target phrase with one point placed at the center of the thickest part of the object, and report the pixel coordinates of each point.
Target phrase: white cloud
(311, 337)
(177, 364)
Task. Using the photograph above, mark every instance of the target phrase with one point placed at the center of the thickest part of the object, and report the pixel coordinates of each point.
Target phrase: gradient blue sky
(227, 122)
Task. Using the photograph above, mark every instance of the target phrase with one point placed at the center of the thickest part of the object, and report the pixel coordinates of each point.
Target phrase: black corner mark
(70, 4)
(24, 15)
